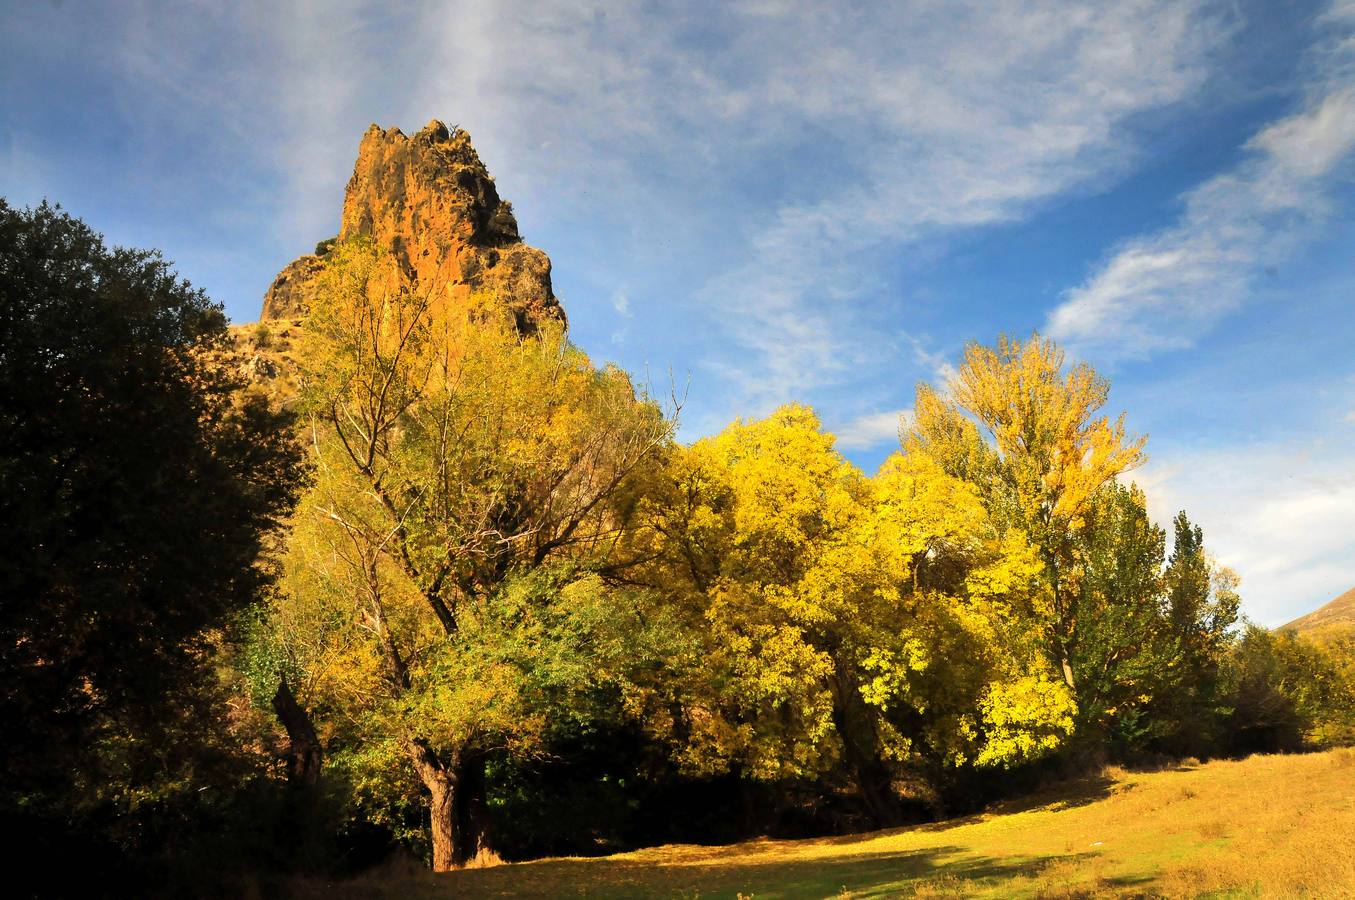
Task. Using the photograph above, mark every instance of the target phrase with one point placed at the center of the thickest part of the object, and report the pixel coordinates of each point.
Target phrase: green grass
(1272, 826)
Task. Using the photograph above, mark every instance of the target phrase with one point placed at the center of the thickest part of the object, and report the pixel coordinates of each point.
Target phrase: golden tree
(1028, 433)
(872, 626)
(455, 458)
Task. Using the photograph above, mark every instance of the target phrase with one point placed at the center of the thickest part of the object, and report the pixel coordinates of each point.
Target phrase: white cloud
(863, 128)
(872, 430)
(1162, 291)
(1281, 514)
(882, 124)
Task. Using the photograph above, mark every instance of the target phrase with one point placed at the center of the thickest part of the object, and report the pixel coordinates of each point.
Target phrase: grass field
(1271, 826)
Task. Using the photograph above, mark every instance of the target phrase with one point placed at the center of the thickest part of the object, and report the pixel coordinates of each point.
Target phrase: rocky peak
(430, 202)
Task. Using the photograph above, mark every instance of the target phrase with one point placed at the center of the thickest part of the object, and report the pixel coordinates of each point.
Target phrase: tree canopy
(137, 481)
(498, 608)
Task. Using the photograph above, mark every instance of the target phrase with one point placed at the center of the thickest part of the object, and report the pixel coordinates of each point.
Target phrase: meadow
(1268, 826)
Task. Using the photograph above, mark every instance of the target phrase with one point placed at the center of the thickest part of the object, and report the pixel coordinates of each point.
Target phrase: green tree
(1123, 644)
(1201, 609)
(473, 485)
(1285, 692)
(136, 482)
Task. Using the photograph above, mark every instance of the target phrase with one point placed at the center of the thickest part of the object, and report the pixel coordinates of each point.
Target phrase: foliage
(1122, 647)
(1026, 434)
(442, 599)
(137, 480)
(868, 624)
(1285, 692)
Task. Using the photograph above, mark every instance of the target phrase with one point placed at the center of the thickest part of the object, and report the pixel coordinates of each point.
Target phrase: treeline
(469, 595)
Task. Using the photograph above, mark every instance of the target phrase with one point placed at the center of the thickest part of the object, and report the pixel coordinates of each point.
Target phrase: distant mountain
(1339, 613)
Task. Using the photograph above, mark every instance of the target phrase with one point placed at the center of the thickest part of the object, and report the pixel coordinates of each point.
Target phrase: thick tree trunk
(471, 819)
(304, 757)
(442, 817)
(456, 805)
(856, 730)
(440, 780)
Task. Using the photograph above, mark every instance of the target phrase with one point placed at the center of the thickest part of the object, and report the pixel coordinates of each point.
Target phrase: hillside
(1268, 825)
(1338, 613)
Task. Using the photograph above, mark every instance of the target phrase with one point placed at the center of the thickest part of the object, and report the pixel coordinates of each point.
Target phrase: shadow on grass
(946, 870)
(1068, 794)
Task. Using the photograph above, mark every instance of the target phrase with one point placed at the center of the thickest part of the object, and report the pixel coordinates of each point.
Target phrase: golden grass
(1267, 826)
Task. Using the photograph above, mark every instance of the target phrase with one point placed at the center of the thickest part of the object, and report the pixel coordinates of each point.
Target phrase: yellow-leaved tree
(1027, 432)
(442, 596)
(871, 627)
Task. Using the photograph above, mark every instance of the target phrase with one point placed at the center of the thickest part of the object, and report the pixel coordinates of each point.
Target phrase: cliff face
(429, 201)
(289, 296)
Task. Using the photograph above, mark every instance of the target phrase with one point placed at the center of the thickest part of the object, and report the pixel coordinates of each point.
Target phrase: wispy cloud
(1162, 291)
(872, 430)
(998, 112)
(858, 129)
(1281, 513)
(869, 128)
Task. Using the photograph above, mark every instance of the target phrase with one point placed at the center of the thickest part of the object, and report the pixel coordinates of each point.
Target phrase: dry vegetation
(1337, 615)
(1265, 826)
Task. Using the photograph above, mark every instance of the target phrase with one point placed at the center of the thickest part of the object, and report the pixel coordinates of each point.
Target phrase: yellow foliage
(1026, 432)
(817, 584)
(1025, 718)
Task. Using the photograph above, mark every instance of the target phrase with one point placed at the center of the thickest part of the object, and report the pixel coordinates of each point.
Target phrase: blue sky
(781, 200)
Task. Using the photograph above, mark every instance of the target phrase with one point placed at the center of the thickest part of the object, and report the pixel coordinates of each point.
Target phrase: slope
(1337, 613)
(1267, 825)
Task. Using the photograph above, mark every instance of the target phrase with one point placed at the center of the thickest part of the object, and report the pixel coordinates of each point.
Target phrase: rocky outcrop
(428, 200)
(289, 296)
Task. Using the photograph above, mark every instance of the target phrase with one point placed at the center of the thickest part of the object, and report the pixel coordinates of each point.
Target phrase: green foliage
(137, 480)
(1286, 692)
(1121, 648)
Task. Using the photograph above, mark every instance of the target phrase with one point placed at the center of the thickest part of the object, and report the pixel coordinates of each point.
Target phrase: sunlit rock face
(428, 200)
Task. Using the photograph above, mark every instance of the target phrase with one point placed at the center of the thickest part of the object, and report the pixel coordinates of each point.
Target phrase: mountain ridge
(1339, 612)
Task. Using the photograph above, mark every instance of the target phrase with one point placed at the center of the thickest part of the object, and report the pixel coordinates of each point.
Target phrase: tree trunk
(471, 819)
(456, 805)
(856, 730)
(440, 780)
(304, 757)
(442, 817)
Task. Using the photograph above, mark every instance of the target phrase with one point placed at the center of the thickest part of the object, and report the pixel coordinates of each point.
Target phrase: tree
(852, 625)
(137, 479)
(472, 479)
(1201, 608)
(1285, 692)
(1027, 434)
(1123, 646)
